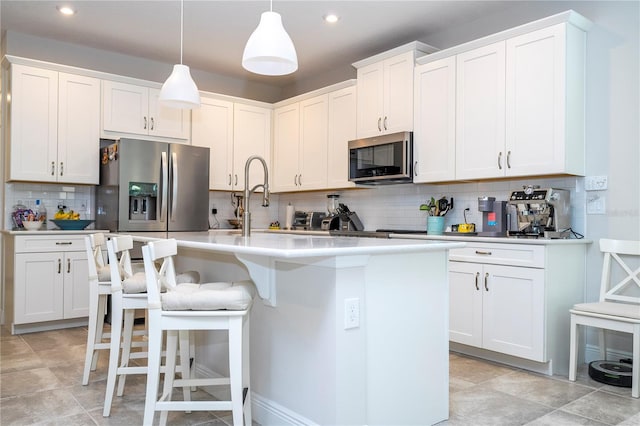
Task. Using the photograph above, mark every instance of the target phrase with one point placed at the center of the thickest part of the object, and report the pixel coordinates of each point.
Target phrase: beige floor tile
(604, 407)
(20, 362)
(27, 382)
(39, 407)
(80, 419)
(475, 371)
(561, 418)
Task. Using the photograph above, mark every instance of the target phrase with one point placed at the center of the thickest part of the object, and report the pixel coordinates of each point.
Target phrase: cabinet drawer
(500, 254)
(48, 243)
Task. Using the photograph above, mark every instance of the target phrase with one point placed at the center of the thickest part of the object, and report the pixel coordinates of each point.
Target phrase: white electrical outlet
(596, 205)
(351, 313)
(595, 183)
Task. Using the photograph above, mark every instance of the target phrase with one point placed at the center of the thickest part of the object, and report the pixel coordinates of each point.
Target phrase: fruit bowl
(31, 225)
(72, 225)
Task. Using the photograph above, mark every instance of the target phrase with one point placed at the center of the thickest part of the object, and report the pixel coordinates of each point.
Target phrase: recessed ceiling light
(331, 18)
(66, 10)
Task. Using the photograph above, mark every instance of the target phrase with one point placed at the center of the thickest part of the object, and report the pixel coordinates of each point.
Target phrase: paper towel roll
(288, 219)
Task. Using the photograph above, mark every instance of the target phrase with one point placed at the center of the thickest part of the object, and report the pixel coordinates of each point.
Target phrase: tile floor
(40, 383)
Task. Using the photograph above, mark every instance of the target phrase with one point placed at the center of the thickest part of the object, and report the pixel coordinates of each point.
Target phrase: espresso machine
(541, 212)
(496, 217)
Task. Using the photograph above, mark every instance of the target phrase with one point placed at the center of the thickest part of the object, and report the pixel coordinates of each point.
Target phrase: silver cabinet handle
(477, 276)
(59, 265)
(508, 159)
(145, 123)
(63, 243)
(165, 185)
(379, 124)
(385, 123)
(53, 168)
(486, 278)
(484, 253)
(415, 168)
(229, 179)
(61, 168)
(236, 181)
(500, 160)
(68, 266)
(299, 180)
(295, 180)
(152, 123)
(174, 190)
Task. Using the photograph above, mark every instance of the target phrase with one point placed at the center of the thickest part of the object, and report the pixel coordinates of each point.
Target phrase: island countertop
(291, 246)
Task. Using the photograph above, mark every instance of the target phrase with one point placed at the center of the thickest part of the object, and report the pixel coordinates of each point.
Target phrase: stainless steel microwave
(383, 159)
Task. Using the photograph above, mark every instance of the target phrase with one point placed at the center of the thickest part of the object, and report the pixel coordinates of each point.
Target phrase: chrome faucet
(246, 216)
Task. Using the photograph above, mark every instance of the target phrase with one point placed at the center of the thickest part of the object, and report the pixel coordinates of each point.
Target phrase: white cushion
(235, 296)
(626, 310)
(104, 273)
(137, 283)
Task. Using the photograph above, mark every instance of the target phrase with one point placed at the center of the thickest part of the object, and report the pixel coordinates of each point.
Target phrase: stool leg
(169, 371)
(116, 331)
(127, 335)
(235, 367)
(185, 370)
(153, 371)
(246, 371)
(102, 310)
(635, 373)
(92, 334)
(573, 349)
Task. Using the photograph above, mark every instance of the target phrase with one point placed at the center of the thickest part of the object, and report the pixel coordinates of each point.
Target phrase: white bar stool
(212, 306)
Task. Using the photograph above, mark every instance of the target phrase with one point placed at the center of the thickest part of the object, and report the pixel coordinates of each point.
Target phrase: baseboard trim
(592, 353)
(263, 410)
(47, 326)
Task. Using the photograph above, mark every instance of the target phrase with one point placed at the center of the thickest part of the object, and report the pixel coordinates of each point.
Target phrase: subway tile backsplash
(78, 198)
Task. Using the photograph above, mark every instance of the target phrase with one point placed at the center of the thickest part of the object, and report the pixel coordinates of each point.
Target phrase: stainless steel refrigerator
(152, 186)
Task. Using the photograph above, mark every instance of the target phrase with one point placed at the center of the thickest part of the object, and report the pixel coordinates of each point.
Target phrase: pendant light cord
(181, 27)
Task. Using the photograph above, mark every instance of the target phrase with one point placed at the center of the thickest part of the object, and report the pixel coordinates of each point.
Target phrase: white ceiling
(215, 32)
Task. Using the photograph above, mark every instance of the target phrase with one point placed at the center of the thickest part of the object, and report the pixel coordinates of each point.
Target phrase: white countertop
(499, 240)
(287, 245)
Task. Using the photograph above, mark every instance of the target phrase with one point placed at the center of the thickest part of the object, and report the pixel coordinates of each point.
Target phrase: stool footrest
(180, 383)
(193, 406)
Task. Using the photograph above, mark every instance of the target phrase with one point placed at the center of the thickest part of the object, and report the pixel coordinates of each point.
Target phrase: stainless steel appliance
(495, 217)
(308, 220)
(152, 186)
(332, 220)
(349, 221)
(384, 159)
(542, 212)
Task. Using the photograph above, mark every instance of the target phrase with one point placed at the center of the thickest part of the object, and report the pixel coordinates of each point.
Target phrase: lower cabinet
(46, 278)
(514, 300)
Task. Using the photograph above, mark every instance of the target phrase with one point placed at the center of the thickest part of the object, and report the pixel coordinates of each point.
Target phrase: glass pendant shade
(269, 50)
(180, 91)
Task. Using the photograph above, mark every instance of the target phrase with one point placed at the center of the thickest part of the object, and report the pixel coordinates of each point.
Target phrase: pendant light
(180, 91)
(269, 50)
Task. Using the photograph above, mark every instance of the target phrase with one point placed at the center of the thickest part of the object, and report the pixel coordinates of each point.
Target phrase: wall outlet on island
(351, 313)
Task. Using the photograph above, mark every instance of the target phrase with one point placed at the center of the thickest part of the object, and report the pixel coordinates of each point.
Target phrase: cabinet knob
(59, 265)
(61, 168)
(53, 168)
(145, 123)
(500, 160)
(379, 124)
(508, 159)
(385, 123)
(477, 276)
(486, 279)
(415, 168)
(68, 266)
(229, 179)
(153, 124)
(299, 180)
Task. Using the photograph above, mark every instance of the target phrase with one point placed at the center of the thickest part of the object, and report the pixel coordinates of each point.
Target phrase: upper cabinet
(342, 129)
(385, 91)
(251, 136)
(300, 145)
(132, 109)
(518, 100)
(54, 126)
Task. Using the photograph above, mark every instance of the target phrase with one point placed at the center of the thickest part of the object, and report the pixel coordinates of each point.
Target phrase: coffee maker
(541, 212)
(495, 217)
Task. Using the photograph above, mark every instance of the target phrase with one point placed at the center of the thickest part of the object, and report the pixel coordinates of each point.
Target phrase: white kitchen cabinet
(54, 126)
(300, 145)
(212, 127)
(46, 280)
(132, 109)
(480, 112)
(341, 129)
(545, 77)
(385, 96)
(509, 302)
(251, 136)
(434, 137)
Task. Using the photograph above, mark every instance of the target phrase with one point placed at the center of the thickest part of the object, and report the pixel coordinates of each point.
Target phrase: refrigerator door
(188, 202)
(142, 188)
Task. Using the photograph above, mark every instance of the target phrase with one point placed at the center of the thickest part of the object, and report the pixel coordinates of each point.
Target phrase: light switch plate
(595, 183)
(596, 205)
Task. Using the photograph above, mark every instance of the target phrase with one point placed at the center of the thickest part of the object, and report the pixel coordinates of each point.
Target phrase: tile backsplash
(77, 198)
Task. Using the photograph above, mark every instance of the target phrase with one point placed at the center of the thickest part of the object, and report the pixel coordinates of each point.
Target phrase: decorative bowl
(31, 225)
(72, 225)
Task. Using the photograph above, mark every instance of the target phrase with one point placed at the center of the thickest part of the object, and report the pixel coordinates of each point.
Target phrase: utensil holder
(435, 225)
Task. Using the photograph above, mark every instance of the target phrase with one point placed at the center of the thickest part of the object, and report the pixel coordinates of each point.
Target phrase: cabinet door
(78, 129)
(76, 285)
(212, 127)
(513, 311)
(125, 108)
(167, 122)
(252, 136)
(38, 287)
(313, 143)
(342, 129)
(398, 93)
(480, 113)
(286, 145)
(370, 100)
(33, 124)
(434, 136)
(465, 303)
(535, 96)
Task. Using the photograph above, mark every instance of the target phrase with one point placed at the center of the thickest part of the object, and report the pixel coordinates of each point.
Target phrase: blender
(332, 221)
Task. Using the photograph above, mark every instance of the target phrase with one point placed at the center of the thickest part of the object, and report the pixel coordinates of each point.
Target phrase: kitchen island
(349, 330)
